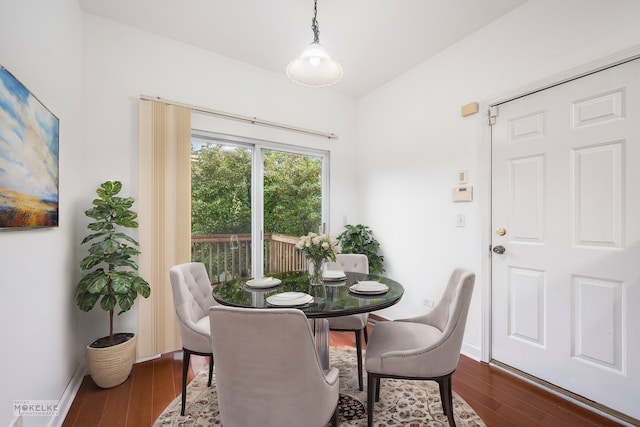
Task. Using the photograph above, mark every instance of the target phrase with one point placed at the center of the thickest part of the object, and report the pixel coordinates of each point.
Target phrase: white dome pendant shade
(314, 67)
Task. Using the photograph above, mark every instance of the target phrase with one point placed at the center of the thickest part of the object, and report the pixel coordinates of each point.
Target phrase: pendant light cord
(314, 23)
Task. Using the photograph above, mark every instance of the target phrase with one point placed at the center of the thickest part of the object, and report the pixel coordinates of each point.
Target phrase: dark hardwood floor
(498, 397)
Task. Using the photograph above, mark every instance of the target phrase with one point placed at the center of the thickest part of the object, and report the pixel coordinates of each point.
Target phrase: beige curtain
(164, 215)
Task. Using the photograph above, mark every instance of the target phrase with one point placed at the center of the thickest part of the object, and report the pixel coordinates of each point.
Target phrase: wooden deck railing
(229, 255)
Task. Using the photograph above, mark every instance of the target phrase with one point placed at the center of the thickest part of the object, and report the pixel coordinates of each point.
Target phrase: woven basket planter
(111, 366)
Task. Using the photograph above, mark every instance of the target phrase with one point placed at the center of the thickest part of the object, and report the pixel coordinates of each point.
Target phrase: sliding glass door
(251, 201)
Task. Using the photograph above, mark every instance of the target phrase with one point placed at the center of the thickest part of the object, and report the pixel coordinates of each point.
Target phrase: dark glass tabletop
(330, 299)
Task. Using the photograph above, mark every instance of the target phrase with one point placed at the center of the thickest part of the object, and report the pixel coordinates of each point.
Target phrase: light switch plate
(462, 176)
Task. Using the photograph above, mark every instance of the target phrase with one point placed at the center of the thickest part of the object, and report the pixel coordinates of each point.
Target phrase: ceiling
(374, 40)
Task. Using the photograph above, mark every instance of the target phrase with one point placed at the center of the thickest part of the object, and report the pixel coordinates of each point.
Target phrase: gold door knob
(501, 231)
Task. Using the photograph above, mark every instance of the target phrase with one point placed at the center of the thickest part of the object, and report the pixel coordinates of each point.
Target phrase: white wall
(40, 45)
(121, 63)
(413, 139)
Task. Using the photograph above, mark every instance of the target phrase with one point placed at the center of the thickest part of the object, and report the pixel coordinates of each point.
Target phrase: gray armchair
(268, 372)
(357, 323)
(192, 298)
(425, 347)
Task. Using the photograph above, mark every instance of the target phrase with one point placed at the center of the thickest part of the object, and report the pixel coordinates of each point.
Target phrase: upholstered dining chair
(357, 323)
(422, 348)
(268, 372)
(192, 298)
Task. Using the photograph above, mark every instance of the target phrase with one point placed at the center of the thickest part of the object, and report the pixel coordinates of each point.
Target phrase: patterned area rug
(402, 403)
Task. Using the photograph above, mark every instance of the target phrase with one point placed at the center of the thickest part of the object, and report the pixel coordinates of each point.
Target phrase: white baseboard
(145, 359)
(471, 351)
(64, 404)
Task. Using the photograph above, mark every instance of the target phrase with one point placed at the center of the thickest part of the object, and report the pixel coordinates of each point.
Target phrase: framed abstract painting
(28, 158)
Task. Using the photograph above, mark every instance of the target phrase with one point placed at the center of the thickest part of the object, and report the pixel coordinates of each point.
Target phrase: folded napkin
(334, 274)
(370, 286)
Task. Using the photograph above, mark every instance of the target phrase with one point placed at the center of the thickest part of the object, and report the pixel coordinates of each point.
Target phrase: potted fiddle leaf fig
(358, 239)
(111, 280)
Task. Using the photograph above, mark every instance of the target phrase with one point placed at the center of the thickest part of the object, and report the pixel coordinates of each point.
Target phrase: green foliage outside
(221, 192)
(358, 239)
(292, 193)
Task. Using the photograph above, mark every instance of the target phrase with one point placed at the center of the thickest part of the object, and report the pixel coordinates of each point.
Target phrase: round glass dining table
(330, 299)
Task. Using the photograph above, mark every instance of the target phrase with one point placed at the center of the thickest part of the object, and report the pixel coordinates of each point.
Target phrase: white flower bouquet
(318, 249)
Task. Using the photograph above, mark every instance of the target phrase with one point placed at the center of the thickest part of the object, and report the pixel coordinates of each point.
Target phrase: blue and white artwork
(28, 158)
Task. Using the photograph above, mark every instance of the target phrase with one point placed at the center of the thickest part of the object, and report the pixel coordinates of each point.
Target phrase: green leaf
(123, 236)
(93, 236)
(125, 302)
(121, 282)
(109, 246)
(109, 189)
(89, 262)
(97, 283)
(86, 301)
(142, 287)
(108, 302)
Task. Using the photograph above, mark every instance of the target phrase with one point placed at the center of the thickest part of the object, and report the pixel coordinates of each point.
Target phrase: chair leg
(366, 334)
(359, 354)
(443, 400)
(186, 358)
(447, 399)
(334, 418)
(378, 380)
(372, 381)
(210, 370)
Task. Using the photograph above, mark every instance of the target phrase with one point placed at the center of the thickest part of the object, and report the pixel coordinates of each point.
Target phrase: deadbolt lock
(501, 231)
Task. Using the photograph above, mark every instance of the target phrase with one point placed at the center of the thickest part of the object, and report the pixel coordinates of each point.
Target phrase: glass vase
(316, 271)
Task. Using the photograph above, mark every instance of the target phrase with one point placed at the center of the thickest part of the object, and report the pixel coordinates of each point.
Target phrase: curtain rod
(252, 120)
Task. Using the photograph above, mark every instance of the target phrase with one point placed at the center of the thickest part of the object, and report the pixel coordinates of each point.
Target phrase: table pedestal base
(321, 333)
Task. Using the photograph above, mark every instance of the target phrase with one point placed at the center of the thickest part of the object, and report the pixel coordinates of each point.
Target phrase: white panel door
(566, 191)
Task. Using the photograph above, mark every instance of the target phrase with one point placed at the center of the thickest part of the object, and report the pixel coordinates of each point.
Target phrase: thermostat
(463, 193)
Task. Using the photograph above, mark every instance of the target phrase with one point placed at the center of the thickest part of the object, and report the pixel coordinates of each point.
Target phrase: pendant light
(314, 67)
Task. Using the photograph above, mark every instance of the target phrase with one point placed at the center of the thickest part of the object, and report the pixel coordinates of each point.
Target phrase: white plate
(289, 299)
(331, 275)
(263, 282)
(369, 288)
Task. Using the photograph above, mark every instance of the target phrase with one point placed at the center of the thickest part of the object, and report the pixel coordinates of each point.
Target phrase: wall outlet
(427, 302)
